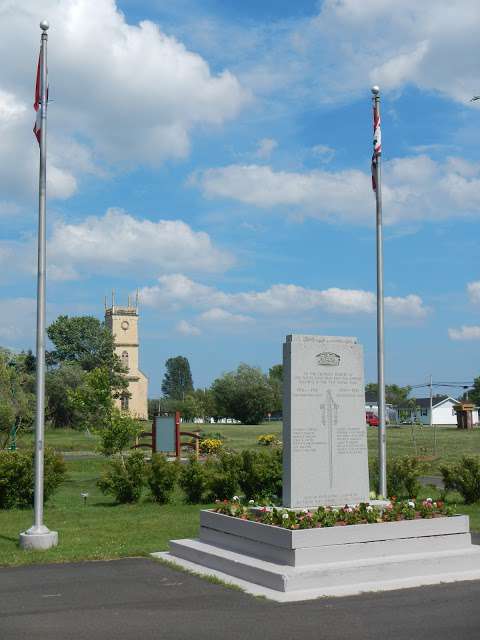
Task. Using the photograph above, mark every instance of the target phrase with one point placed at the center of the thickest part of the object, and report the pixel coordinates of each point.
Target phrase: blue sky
(215, 155)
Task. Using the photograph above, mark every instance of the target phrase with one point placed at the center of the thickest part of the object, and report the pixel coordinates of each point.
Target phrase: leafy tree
(93, 400)
(118, 436)
(17, 400)
(206, 403)
(275, 377)
(474, 394)
(84, 340)
(153, 407)
(177, 382)
(245, 394)
(394, 394)
(60, 383)
(276, 372)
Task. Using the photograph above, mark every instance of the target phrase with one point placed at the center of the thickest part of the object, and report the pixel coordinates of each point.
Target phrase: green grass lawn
(102, 530)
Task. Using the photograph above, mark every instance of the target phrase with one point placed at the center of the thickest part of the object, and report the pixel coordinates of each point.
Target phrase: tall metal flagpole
(377, 180)
(39, 536)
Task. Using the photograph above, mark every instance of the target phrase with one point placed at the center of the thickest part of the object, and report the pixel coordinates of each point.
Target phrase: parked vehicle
(371, 419)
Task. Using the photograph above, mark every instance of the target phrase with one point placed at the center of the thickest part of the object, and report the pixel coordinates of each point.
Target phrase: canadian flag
(37, 127)
(36, 105)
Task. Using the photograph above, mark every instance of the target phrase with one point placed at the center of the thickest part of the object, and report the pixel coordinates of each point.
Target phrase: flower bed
(363, 513)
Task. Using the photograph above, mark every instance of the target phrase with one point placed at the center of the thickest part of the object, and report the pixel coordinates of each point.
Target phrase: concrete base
(38, 539)
(287, 565)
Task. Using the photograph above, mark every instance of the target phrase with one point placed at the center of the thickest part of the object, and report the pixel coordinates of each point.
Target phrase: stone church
(123, 323)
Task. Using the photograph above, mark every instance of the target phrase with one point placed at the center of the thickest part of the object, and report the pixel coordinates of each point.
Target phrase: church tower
(123, 323)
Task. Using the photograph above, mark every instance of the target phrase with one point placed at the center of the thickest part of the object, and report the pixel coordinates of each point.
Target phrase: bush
(193, 480)
(17, 469)
(119, 435)
(125, 478)
(402, 476)
(223, 475)
(210, 446)
(464, 477)
(162, 477)
(267, 439)
(260, 476)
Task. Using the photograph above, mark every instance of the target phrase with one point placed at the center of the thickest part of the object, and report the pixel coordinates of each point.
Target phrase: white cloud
(265, 147)
(323, 152)
(17, 320)
(19, 156)
(118, 243)
(414, 188)
(465, 333)
(176, 291)
(350, 45)
(187, 329)
(128, 94)
(410, 306)
(217, 316)
(474, 291)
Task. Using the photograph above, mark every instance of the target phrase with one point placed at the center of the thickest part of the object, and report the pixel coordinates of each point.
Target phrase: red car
(371, 419)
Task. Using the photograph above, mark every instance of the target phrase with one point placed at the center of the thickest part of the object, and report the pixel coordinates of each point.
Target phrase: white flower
(251, 502)
(305, 511)
(335, 511)
(428, 500)
(369, 508)
(411, 503)
(235, 499)
(285, 516)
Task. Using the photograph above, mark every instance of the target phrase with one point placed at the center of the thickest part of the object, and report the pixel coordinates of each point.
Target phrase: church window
(124, 403)
(125, 359)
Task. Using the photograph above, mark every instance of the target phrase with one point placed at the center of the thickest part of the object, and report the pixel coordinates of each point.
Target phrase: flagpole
(382, 445)
(39, 536)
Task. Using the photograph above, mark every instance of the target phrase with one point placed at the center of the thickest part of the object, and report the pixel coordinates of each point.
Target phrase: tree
(245, 394)
(177, 382)
(474, 393)
(94, 400)
(206, 403)
(275, 377)
(60, 383)
(394, 394)
(17, 400)
(84, 340)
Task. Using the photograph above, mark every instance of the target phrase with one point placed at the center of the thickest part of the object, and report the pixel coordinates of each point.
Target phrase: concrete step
(414, 569)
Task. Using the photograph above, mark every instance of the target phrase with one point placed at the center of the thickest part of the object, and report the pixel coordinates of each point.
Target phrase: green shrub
(260, 476)
(402, 476)
(120, 433)
(222, 475)
(125, 478)
(193, 480)
(464, 477)
(17, 469)
(162, 477)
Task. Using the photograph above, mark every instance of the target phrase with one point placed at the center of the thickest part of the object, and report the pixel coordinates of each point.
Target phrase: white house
(443, 411)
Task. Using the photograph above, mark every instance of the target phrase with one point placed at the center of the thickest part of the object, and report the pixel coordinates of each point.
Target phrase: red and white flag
(36, 104)
(37, 127)
(377, 145)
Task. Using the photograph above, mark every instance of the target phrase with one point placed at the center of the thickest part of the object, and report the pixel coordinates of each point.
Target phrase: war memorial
(326, 464)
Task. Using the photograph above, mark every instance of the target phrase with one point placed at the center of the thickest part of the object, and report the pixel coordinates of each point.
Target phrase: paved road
(139, 598)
